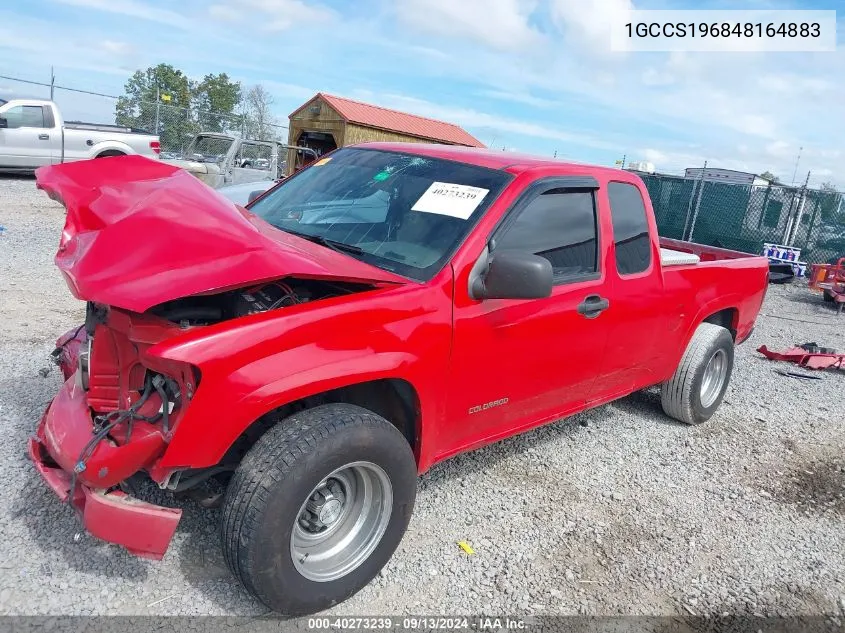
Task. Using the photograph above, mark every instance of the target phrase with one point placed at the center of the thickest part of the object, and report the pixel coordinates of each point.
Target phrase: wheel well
(110, 152)
(726, 318)
(393, 399)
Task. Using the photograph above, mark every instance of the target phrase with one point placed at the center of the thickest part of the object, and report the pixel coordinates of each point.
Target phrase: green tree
(215, 99)
(158, 99)
(770, 177)
(830, 203)
(261, 124)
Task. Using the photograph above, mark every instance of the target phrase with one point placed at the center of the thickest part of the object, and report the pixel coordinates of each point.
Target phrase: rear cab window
(630, 228)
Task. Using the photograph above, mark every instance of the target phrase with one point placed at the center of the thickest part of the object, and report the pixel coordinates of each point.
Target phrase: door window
(255, 156)
(560, 226)
(630, 228)
(24, 116)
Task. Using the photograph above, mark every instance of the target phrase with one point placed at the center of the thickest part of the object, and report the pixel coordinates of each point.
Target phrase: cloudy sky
(532, 75)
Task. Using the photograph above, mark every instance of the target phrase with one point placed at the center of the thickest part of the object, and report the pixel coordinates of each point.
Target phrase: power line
(107, 96)
(41, 83)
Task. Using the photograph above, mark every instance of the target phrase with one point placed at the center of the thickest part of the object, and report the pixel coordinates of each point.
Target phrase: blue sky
(530, 75)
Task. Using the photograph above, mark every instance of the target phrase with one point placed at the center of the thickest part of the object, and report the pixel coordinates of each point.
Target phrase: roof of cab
(485, 157)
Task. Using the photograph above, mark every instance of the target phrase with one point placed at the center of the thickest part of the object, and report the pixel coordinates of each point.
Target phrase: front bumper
(108, 514)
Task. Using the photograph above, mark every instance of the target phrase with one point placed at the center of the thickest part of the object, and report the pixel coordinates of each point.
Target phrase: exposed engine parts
(264, 298)
(208, 309)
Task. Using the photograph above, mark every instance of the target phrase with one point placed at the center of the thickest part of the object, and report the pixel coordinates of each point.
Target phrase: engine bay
(209, 309)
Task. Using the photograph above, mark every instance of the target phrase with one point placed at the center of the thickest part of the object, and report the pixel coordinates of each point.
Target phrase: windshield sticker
(322, 161)
(446, 198)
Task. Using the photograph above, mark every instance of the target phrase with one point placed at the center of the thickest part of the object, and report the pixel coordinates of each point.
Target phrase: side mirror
(254, 195)
(515, 275)
(3, 122)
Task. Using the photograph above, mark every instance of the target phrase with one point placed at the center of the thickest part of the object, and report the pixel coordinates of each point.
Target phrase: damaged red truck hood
(140, 232)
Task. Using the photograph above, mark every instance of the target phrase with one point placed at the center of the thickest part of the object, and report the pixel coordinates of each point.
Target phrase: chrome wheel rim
(714, 378)
(341, 522)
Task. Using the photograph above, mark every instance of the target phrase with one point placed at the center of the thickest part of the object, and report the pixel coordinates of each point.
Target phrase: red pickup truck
(385, 308)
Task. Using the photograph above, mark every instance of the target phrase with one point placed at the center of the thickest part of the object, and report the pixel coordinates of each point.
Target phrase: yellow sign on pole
(165, 97)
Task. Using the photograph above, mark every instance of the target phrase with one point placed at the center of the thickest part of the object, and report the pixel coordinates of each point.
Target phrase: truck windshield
(403, 212)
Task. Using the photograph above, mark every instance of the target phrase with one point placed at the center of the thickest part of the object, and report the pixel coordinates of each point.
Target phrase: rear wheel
(110, 152)
(698, 385)
(317, 507)
(828, 296)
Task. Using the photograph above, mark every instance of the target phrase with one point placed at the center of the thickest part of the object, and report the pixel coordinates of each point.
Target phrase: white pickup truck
(33, 134)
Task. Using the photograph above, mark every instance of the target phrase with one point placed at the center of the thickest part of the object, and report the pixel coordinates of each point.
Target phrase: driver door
(27, 141)
(515, 362)
(253, 163)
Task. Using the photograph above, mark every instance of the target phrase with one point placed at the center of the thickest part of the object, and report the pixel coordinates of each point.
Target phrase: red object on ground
(802, 357)
(830, 279)
(467, 371)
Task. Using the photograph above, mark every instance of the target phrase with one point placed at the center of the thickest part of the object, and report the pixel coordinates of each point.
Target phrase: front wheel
(698, 385)
(317, 507)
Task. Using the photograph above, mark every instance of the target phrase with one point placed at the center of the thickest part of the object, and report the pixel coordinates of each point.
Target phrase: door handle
(592, 306)
(43, 137)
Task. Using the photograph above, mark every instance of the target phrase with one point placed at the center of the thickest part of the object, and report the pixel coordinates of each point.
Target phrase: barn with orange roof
(326, 122)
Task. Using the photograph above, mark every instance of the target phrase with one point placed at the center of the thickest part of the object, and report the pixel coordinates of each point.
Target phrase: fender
(114, 146)
(194, 446)
(724, 302)
(274, 358)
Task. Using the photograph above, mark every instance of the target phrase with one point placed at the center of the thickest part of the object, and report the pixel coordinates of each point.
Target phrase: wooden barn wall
(361, 134)
(328, 120)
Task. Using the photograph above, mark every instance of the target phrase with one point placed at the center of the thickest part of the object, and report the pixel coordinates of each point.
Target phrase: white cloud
(279, 15)
(519, 97)
(527, 73)
(225, 12)
(133, 9)
(588, 22)
(499, 24)
(515, 130)
(652, 77)
(117, 48)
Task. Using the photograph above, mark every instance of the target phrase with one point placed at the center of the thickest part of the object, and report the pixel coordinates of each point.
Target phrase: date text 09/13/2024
(418, 623)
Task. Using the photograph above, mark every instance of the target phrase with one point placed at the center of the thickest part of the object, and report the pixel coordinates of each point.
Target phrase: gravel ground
(615, 511)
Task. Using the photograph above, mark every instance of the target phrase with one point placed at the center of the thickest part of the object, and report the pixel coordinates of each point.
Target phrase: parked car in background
(245, 193)
(33, 134)
(313, 367)
(220, 159)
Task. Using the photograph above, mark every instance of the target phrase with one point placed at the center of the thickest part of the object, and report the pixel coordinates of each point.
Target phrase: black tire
(828, 296)
(110, 152)
(278, 475)
(681, 395)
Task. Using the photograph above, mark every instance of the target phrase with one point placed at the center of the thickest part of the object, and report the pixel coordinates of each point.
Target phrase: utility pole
(796, 226)
(700, 184)
(158, 107)
(697, 203)
(52, 83)
(797, 160)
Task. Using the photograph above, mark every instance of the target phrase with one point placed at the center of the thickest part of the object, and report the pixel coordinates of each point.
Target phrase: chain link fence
(736, 216)
(175, 126)
(745, 217)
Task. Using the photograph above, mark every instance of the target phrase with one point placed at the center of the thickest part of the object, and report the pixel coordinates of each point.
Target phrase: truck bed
(679, 252)
(103, 127)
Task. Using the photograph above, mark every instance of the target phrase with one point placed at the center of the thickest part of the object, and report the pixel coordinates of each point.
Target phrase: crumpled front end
(112, 419)
(107, 513)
